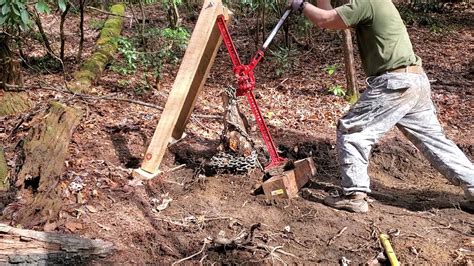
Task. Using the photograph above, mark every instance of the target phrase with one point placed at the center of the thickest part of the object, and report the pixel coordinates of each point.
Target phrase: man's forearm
(324, 4)
(329, 19)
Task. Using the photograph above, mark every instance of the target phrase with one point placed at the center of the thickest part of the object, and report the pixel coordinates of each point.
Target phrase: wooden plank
(191, 76)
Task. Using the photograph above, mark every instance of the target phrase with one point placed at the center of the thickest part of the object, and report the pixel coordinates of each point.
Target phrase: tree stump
(45, 149)
(235, 135)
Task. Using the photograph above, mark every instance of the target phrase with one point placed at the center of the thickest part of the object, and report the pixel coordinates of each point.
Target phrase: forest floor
(412, 202)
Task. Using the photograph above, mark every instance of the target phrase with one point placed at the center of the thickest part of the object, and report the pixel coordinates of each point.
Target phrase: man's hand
(296, 5)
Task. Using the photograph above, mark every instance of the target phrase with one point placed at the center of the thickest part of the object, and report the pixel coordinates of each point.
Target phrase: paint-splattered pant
(404, 100)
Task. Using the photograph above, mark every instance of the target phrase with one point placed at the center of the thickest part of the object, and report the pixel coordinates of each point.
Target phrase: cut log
(105, 49)
(3, 171)
(20, 246)
(189, 81)
(45, 149)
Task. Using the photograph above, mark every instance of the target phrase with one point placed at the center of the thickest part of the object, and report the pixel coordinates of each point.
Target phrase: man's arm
(324, 18)
(324, 4)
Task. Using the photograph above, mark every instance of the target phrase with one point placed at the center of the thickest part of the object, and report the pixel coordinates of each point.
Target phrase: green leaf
(42, 7)
(3, 19)
(16, 10)
(6, 9)
(25, 18)
(62, 5)
(2, 2)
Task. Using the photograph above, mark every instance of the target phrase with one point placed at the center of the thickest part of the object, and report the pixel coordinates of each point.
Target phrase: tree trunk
(61, 30)
(10, 71)
(81, 30)
(45, 149)
(173, 14)
(46, 42)
(12, 100)
(352, 94)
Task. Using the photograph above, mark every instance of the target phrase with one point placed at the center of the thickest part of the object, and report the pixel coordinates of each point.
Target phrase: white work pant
(404, 100)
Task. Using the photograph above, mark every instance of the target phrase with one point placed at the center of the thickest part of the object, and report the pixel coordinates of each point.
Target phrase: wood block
(290, 182)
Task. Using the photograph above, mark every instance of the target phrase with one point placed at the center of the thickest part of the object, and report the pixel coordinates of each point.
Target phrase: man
(398, 93)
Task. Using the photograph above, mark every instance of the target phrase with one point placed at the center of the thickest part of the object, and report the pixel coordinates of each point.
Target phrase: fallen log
(19, 246)
(105, 49)
(45, 150)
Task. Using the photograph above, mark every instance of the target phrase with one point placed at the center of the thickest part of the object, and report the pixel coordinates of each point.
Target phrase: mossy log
(104, 51)
(45, 149)
(3, 171)
(20, 247)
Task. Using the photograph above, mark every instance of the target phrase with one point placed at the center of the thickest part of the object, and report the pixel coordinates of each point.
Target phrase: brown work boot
(354, 202)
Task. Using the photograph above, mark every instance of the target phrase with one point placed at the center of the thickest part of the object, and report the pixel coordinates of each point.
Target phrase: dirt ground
(412, 202)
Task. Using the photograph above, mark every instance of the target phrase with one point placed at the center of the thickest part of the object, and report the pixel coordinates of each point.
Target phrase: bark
(105, 48)
(20, 246)
(45, 150)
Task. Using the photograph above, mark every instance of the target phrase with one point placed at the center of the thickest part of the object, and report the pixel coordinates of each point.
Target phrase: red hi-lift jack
(246, 83)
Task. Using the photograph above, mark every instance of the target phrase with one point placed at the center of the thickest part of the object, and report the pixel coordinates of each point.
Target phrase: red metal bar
(228, 41)
(246, 81)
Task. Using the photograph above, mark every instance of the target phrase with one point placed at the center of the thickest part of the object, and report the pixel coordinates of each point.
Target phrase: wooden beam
(192, 74)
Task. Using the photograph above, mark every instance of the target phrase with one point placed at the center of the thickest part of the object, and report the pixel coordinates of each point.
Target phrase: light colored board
(192, 74)
(288, 184)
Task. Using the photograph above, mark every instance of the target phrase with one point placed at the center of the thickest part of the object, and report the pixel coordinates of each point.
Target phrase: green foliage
(129, 54)
(334, 89)
(167, 3)
(96, 24)
(331, 69)
(14, 13)
(337, 90)
(282, 59)
(164, 46)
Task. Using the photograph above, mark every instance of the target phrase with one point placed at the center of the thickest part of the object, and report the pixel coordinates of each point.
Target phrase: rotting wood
(3, 171)
(189, 81)
(45, 150)
(105, 48)
(19, 246)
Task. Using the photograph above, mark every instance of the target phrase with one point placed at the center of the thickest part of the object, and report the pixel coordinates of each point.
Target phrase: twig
(106, 12)
(277, 249)
(206, 241)
(336, 236)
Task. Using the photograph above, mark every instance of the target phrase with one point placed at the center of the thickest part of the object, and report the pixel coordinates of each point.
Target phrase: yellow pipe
(389, 250)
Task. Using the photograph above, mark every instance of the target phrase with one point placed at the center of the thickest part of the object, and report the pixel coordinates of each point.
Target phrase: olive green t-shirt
(382, 37)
